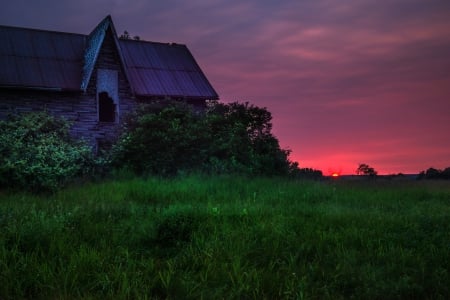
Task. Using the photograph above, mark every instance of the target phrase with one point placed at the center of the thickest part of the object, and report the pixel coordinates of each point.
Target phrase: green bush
(37, 153)
(241, 140)
(226, 138)
(163, 141)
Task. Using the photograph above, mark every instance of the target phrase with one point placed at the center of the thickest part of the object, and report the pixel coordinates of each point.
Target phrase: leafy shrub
(242, 141)
(37, 153)
(161, 141)
(226, 138)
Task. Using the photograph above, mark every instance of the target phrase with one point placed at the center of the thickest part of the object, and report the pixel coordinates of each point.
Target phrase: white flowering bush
(37, 153)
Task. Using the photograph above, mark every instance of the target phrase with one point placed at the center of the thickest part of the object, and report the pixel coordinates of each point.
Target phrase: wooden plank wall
(79, 108)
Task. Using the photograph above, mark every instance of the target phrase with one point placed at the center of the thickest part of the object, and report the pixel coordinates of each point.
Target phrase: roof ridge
(41, 30)
(151, 42)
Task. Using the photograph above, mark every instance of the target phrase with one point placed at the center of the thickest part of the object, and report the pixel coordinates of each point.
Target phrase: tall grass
(228, 237)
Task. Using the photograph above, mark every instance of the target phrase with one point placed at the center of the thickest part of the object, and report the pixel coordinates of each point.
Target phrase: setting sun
(335, 175)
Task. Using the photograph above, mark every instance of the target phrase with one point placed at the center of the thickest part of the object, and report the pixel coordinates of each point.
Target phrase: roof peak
(93, 44)
(66, 61)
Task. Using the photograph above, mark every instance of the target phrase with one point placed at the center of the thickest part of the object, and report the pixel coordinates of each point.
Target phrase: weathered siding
(80, 108)
(75, 107)
(108, 58)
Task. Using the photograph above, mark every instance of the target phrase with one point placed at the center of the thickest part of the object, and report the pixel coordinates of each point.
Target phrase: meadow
(226, 237)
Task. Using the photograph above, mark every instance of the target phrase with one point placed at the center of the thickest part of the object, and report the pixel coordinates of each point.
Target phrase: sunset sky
(347, 82)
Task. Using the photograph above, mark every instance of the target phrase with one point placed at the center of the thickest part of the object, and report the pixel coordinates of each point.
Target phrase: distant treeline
(433, 173)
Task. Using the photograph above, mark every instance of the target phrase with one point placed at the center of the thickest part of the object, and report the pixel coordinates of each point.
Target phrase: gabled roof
(40, 59)
(164, 69)
(64, 61)
(92, 49)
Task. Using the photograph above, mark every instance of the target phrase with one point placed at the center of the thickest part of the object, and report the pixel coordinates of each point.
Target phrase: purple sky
(348, 81)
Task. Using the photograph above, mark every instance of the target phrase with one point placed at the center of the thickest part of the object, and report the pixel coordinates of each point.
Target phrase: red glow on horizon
(335, 172)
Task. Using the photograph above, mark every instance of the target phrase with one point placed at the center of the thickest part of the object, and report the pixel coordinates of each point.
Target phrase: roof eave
(39, 88)
(215, 94)
(190, 97)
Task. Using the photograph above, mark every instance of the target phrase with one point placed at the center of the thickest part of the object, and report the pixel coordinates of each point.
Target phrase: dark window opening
(106, 108)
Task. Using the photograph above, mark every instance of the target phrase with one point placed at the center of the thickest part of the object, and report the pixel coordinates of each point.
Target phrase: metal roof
(164, 69)
(40, 59)
(64, 61)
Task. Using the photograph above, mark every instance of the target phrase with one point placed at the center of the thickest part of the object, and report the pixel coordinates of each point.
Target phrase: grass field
(228, 238)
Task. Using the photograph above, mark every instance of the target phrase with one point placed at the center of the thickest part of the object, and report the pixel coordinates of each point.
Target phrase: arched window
(106, 108)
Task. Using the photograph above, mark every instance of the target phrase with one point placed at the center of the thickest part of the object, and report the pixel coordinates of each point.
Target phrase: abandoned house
(93, 80)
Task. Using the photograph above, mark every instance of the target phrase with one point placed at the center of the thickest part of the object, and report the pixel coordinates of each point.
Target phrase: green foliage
(228, 237)
(241, 140)
(305, 173)
(227, 138)
(37, 154)
(161, 141)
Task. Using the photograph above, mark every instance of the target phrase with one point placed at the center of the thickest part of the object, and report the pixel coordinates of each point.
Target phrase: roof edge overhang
(216, 95)
(38, 88)
(213, 97)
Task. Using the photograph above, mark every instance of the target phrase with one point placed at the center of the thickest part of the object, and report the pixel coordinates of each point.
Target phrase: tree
(365, 169)
(432, 173)
(161, 141)
(446, 173)
(242, 141)
(226, 138)
(126, 36)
